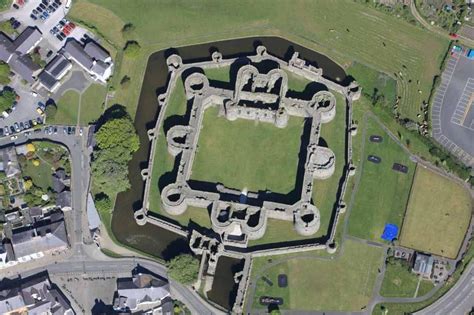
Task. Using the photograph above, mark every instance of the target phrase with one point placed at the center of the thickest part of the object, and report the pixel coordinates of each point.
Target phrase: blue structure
(390, 232)
(470, 54)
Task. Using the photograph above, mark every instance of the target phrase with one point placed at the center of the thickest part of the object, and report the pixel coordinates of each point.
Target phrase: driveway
(452, 113)
(76, 80)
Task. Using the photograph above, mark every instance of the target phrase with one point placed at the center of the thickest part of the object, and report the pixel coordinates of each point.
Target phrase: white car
(5, 114)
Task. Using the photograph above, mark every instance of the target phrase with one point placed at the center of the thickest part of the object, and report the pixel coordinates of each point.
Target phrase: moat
(150, 238)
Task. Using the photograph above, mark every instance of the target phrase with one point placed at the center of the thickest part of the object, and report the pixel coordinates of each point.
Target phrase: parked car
(17, 127)
(39, 10)
(55, 5)
(39, 111)
(22, 126)
(34, 12)
(33, 17)
(55, 130)
(16, 6)
(16, 25)
(62, 23)
(42, 6)
(50, 53)
(59, 36)
(6, 131)
(81, 131)
(42, 18)
(12, 129)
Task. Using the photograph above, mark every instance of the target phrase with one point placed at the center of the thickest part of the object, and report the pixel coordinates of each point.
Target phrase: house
(43, 236)
(15, 53)
(63, 200)
(25, 67)
(33, 295)
(143, 293)
(423, 265)
(27, 40)
(6, 254)
(54, 71)
(91, 57)
(10, 161)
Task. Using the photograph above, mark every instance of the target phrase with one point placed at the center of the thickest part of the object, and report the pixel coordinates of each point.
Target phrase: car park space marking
(464, 105)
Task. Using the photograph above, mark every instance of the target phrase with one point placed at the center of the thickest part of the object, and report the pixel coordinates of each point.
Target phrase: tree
(125, 82)
(131, 49)
(116, 142)
(183, 268)
(51, 110)
(4, 73)
(6, 99)
(128, 28)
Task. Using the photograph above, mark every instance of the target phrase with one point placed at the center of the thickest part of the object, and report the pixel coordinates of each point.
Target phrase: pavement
(457, 301)
(452, 113)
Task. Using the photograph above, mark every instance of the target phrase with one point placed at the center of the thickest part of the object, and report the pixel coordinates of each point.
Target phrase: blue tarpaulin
(390, 232)
(470, 54)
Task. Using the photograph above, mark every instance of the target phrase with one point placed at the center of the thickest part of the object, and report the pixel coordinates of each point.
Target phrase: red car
(66, 31)
(453, 35)
(72, 25)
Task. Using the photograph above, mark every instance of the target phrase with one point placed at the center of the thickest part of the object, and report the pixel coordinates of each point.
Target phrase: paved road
(457, 301)
(84, 256)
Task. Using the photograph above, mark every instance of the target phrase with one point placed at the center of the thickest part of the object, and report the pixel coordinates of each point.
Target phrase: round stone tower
(307, 219)
(140, 217)
(174, 62)
(173, 199)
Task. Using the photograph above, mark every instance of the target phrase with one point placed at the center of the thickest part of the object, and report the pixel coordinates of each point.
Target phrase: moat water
(158, 241)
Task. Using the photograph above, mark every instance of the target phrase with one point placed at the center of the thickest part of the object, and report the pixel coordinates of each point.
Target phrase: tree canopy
(4, 73)
(6, 99)
(116, 142)
(132, 48)
(184, 268)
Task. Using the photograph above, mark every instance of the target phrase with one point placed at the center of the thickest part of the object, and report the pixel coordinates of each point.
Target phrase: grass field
(438, 215)
(382, 193)
(315, 283)
(91, 106)
(243, 153)
(40, 175)
(379, 87)
(384, 42)
(399, 281)
(68, 106)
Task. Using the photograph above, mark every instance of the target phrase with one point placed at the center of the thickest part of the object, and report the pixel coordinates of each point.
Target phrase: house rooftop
(27, 40)
(5, 47)
(57, 66)
(46, 234)
(24, 66)
(96, 51)
(74, 50)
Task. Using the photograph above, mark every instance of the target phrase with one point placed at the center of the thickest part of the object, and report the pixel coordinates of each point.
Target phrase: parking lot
(453, 111)
(49, 17)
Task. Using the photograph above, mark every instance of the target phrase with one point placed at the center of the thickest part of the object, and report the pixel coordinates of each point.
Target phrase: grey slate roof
(36, 295)
(140, 289)
(43, 235)
(92, 214)
(423, 264)
(99, 67)
(63, 199)
(47, 80)
(73, 49)
(24, 66)
(56, 67)
(5, 47)
(27, 40)
(96, 51)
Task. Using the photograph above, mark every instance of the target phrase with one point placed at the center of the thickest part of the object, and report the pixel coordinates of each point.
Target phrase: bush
(51, 111)
(125, 82)
(183, 268)
(6, 99)
(103, 203)
(131, 49)
(4, 73)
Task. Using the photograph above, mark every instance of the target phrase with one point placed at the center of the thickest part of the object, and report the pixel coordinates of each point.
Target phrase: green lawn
(92, 101)
(382, 193)
(163, 163)
(399, 281)
(245, 154)
(91, 106)
(68, 106)
(40, 175)
(438, 214)
(379, 87)
(316, 283)
(381, 41)
(218, 74)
